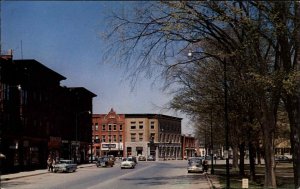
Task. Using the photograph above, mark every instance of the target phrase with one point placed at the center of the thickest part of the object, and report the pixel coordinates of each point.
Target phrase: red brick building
(188, 146)
(108, 134)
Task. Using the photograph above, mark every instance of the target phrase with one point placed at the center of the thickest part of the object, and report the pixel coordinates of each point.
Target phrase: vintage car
(142, 158)
(151, 158)
(105, 162)
(195, 166)
(128, 163)
(283, 159)
(65, 166)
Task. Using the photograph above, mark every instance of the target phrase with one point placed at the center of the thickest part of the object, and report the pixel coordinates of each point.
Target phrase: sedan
(151, 158)
(105, 162)
(283, 159)
(128, 163)
(142, 158)
(195, 167)
(65, 166)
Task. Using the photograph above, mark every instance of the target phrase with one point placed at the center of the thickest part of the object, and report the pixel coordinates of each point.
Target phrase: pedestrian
(50, 163)
(205, 166)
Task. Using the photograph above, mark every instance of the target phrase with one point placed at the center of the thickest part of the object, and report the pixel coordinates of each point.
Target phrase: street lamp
(226, 123)
(212, 171)
(190, 54)
(76, 132)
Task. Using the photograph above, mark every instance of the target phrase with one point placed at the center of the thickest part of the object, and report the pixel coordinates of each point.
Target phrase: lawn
(284, 176)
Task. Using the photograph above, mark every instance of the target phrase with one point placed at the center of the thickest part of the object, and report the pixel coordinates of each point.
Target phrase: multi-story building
(153, 134)
(108, 134)
(188, 146)
(38, 117)
(137, 134)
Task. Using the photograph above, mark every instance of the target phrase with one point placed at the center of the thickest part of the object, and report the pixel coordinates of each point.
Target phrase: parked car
(65, 166)
(195, 166)
(142, 158)
(283, 159)
(151, 158)
(128, 163)
(195, 159)
(105, 162)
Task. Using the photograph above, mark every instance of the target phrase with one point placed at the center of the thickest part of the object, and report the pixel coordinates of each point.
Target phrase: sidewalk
(35, 172)
(214, 181)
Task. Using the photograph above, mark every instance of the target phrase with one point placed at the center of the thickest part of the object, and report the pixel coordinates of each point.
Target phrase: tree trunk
(293, 110)
(268, 138)
(242, 163)
(252, 160)
(235, 157)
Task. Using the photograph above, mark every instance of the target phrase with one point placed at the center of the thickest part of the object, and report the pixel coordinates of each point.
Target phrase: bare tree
(250, 36)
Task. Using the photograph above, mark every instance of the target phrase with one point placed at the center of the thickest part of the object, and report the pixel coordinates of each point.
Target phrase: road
(146, 175)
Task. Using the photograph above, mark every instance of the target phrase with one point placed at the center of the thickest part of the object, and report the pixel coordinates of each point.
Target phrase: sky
(66, 37)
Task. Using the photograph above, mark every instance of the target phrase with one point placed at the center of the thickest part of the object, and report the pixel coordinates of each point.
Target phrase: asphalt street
(146, 175)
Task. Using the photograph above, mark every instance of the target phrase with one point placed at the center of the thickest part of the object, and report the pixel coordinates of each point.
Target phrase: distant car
(128, 163)
(195, 166)
(65, 166)
(151, 158)
(283, 159)
(195, 159)
(105, 162)
(142, 158)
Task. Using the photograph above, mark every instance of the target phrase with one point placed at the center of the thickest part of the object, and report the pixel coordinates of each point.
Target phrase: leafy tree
(255, 40)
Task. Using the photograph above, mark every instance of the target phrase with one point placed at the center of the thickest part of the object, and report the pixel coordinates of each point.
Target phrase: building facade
(153, 134)
(38, 116)
(108, 134)
(188, 146)
(137, 134)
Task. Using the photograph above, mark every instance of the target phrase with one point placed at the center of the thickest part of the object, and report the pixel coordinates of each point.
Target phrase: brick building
(188, 146)
(108, 134)
(39, 117)
(140, 134)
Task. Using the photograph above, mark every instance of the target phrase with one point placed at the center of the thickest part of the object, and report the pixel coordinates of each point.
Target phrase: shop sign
(108, 145)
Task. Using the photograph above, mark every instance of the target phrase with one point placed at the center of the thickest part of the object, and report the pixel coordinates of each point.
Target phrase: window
(109, 138)
(141, 125)
(133, 125)
(121, 127)
(96, 136)
(140, 136)
(120, 138)
(115, 138)
(115, 127)
(132, 137)
(103, 138)
(152, 125)
(96, 126)
(103, 127)
(109, 127)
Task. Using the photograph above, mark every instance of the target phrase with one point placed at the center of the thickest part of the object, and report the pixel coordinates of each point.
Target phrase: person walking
(50, 163)
(205, 166)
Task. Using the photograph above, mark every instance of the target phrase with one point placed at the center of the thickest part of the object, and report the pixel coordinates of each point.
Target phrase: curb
(40, 173)
(22, 176)
(211, 186)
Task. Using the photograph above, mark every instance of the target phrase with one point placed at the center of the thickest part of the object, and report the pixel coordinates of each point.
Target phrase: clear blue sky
(66, 37)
